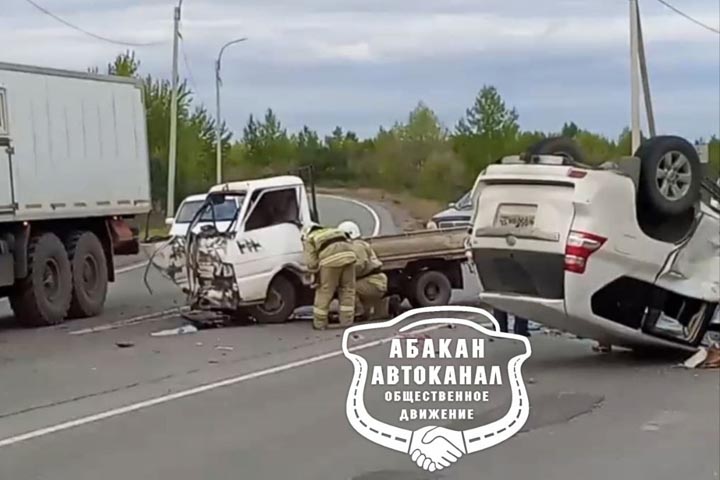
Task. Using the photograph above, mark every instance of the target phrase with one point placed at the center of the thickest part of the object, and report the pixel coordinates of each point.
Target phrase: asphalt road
(281, 410)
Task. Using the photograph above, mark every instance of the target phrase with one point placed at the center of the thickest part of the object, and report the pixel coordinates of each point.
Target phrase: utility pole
(634, 77)
(645, 77)
(172, 150)
(218, 120)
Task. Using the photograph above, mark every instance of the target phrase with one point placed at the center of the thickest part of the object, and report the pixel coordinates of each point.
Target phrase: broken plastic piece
(184, 330)
(697, 359)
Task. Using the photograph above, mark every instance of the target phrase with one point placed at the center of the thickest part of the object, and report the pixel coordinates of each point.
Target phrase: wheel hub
(89, 273)
(273, 303)
(51, 278)
(431, 291)
(673, 176)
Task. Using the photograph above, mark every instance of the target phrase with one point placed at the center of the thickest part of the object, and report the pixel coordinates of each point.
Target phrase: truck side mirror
(452, 205)
(169, 221)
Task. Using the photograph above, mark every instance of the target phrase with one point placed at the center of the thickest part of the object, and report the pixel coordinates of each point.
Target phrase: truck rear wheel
(280, 302)
(43, 297)
(89, 274)
(430, 289)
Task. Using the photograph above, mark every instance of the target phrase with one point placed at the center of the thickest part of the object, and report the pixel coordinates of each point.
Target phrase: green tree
(125, 65)
(569, 130)
(488, 131)
(267, 143)
(489, 117)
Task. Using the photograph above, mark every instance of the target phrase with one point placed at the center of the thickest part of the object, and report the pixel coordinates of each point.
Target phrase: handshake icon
(434, 448)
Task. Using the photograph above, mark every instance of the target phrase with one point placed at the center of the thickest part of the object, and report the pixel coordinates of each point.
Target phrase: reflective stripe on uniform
(320, 237)
(379, 281)
(320, 312)
(339, 259)
(347, 309)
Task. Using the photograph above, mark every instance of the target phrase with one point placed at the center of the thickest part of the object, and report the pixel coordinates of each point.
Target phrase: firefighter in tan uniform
(330, 257)
(371, 284)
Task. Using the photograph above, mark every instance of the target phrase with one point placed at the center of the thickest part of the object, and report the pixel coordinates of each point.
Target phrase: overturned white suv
(627, 253)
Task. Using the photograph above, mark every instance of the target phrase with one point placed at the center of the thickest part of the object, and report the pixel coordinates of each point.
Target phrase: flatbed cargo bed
(397, 251)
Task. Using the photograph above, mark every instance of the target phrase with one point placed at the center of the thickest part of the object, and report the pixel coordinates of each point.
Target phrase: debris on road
(184, 330)
(705, 358)
(224, 348)
(214, 362)
(124, 344)
(207, 320)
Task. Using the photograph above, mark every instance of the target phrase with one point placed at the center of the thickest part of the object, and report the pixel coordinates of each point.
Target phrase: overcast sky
(365, 63)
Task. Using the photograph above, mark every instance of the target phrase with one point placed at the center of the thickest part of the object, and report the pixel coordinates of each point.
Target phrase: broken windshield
(224, 212)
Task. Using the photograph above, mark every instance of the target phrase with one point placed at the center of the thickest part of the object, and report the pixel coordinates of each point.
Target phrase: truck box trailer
(73, 169)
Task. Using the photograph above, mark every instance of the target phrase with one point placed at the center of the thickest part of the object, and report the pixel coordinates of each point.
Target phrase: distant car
(224, 214)
(458, 214)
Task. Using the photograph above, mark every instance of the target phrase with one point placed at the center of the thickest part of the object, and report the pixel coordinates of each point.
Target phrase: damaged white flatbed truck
(627, 253)
(256, 264)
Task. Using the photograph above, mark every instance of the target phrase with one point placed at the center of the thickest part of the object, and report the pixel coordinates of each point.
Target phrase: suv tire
(670, 175)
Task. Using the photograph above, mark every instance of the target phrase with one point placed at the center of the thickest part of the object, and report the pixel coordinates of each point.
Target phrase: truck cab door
(268, 239)
(7, 193)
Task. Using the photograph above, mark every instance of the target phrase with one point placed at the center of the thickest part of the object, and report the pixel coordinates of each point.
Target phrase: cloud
(359, 63)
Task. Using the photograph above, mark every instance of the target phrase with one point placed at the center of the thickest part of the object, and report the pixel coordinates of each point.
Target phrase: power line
(191, 77)
(91, 34)
(688, 17)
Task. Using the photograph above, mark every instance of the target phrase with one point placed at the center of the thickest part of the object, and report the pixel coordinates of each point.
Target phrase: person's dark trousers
(520, 327)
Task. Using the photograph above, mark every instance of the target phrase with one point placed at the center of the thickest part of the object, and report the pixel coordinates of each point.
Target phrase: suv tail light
(579, 247)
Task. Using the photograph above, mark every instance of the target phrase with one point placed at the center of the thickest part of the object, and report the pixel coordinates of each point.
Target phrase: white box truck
(74, 169)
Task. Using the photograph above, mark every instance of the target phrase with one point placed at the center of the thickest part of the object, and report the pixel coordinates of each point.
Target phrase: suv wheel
(670, 174)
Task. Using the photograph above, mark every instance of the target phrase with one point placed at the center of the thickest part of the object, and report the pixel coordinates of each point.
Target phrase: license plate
(515, 216)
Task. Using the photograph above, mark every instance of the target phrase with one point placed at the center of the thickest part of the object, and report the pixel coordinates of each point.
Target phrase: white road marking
(132, 267)
(192, 391)
(131, 321)
(376, 218)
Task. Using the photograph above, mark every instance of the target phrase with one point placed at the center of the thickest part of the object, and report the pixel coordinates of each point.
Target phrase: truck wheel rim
(673, 176)
(273, 303)
(89, 274)
(432, 291)
(51, 279)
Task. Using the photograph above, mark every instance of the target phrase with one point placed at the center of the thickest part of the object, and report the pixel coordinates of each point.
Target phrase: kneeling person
(371, 284)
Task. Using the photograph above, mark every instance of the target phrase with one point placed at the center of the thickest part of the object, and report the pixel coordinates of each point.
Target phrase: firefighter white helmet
(350, 228)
